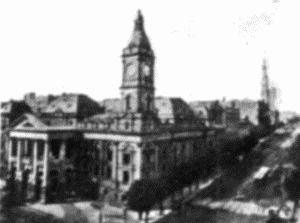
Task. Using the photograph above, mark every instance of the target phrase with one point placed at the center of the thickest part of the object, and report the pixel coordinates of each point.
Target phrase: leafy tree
(292, 185)
(9, 199)
(141, 196)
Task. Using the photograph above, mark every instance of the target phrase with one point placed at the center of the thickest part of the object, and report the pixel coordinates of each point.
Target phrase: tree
(141, 197)
(292, 185)
(9, 199)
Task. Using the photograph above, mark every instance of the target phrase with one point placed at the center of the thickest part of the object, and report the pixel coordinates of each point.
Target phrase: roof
(139, 38)
(248, 108)
(104, 118)
(6, 107)
(112, 105)
(38, 103)
(169, 109)
(77, 104)
(173, 109)
(28, 121)
(13, 106)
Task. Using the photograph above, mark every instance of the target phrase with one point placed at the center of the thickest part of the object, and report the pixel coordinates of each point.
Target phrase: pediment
(58, 112)
(28, 125)
(28, 122)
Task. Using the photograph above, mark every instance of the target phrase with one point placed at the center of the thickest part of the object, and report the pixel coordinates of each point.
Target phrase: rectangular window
(109, 155)
(55, 148)
(102, 170)
(165, 153)
(14, 148)
(40, 150)
(96, 170)
(29, 148)
(126, 159)
(108, 172)
(125, 177)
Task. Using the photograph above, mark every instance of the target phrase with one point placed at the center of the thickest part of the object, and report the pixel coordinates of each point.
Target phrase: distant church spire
(265, 88)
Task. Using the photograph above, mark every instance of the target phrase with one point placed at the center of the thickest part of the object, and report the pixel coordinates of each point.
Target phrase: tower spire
(265, 88)
(139, 37)
(264, 66)
(139, 21)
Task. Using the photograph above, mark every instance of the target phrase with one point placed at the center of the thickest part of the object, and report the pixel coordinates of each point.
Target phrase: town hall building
(102, 151)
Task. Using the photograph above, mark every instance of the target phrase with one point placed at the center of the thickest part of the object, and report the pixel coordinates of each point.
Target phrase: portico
(48, 163)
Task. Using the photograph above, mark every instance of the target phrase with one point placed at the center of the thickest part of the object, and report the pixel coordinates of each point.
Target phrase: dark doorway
(38, 186)
(25, 176)
(54, 185)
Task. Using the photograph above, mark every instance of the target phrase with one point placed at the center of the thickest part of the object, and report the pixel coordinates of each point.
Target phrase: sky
(204, 49)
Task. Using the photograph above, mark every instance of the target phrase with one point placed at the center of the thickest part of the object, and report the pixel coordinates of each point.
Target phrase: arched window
(127, 99)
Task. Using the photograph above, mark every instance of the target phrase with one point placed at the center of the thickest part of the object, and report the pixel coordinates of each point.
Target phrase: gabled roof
(28, 121)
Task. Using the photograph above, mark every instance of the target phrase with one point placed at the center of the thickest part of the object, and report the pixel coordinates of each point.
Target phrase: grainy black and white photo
(149, 111)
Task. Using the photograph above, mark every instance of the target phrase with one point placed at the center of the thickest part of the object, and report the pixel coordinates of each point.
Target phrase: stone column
(34, 163)
(117, 165)
(25, 146)
(45, 176)
(9, 153)
(19, 154)
(62, 152)
(138, 161)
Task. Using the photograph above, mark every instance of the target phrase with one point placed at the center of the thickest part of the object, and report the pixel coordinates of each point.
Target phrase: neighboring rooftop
(76, 104)
(248, 108)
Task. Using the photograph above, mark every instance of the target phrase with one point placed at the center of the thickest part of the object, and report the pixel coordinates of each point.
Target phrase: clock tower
(137, 89)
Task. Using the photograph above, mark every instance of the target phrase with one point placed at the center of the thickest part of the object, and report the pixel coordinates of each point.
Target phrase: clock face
(146, 70)
(131, 70)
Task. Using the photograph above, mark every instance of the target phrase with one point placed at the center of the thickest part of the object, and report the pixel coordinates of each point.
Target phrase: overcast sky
(204, 49)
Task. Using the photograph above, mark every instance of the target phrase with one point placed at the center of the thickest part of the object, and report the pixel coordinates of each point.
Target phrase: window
(210, 144)
(14, 148)
(128, 98)
(126, 125)
(148, 102)
(164, 153)
(125, 177)
(102, 170)
(126, 159)
(68, 152)
(40, 150)
(109, 155)
(29, 148)
(108, 172)
(55, 148)
(96, 170)
(68, 176)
